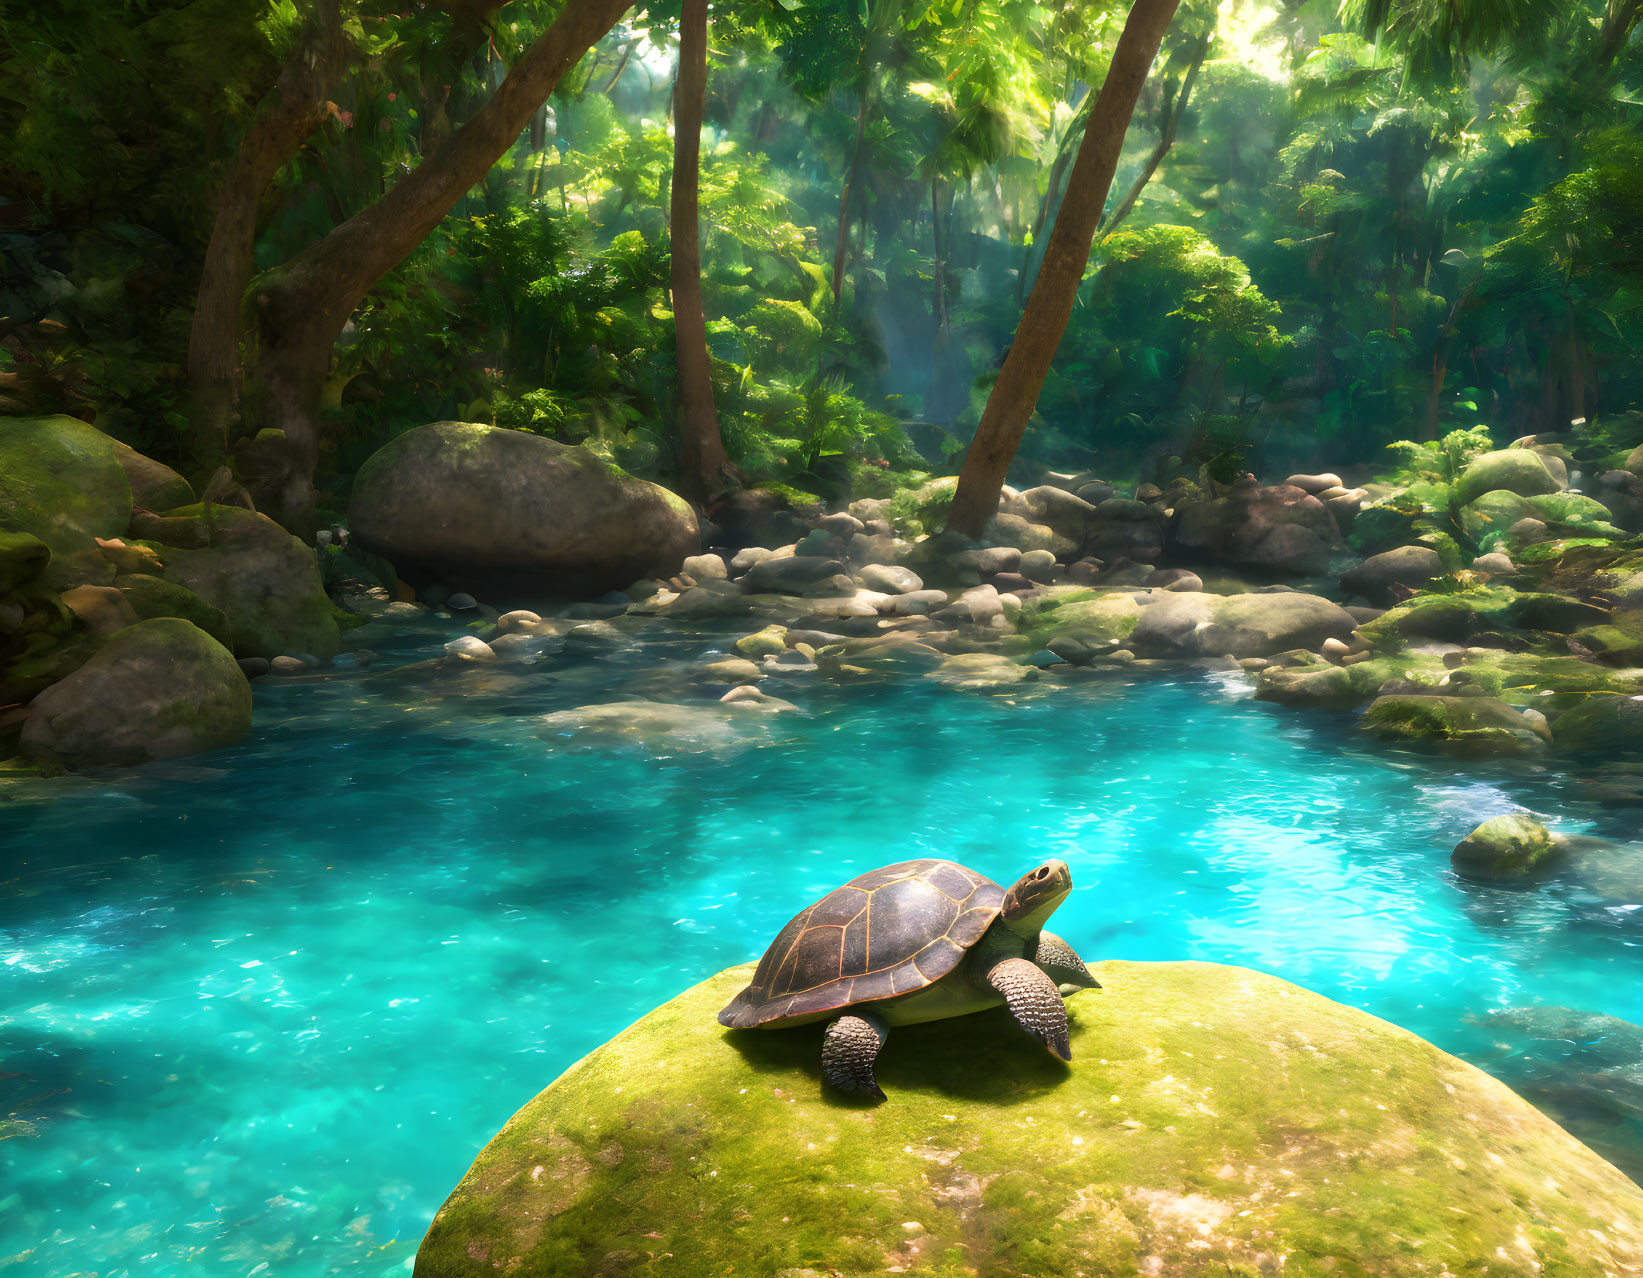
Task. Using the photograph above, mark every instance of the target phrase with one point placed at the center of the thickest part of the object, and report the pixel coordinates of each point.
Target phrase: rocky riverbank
(1323, 595)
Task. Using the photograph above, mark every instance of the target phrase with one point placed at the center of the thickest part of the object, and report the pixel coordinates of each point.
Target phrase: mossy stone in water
(1513, 470)
(1507, 846)
(61, 480)
(1215, 1121)
(1471, 725)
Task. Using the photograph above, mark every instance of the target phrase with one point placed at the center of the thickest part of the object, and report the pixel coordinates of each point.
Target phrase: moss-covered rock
(264, 580)
(1081, 625)
(1602, 721)
(1471, 725)
(1215, 1121)
(1506, 847)
(152, 597)
(154, 485)
(23, 557)
(1322, 684)
(1512, 470)
(61, 481)
(155, 690)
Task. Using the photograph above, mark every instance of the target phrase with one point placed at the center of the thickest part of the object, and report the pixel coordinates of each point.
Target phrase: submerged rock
(1506, 847)
(483, 506)
(662, 728)
(1214, 1121)
(155, 690)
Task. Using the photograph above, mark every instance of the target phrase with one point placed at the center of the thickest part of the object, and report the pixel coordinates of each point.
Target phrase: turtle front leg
(1062, 963)
(1034, 1001)
(851, 1045)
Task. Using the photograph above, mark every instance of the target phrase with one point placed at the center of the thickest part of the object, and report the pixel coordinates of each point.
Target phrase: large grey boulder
(1252, 625)
(492, 508)
(1281, 529)
(155, 690)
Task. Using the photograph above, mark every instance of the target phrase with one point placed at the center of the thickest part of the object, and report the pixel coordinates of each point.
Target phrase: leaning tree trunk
(844, 198)
(707, 469)
(286, 116)
(1050, 305)
(300, 308)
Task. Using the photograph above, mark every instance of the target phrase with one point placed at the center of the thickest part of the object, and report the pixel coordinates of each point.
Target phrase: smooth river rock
(1214, 1121)
(486, 507)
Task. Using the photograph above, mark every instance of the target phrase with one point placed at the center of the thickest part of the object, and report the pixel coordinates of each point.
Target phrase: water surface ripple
(260, 1009)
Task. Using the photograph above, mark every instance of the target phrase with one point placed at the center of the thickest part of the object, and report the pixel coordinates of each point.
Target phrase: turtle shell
(885, 933)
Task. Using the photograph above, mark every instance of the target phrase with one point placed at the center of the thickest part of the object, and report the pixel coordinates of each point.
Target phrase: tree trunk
(1166, 139)
(844, 200)
(291, 110)
(300, 308)
(706, 467)
(1048, 309)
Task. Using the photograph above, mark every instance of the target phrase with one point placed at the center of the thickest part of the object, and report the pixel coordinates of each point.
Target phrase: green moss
(1213, 1120)
(1099, 619)
(1474, 725)
(61, 480)
(1509, 846)
(155, 597)
(23, 557)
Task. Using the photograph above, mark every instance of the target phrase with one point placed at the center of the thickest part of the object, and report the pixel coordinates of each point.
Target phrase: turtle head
(1034, 897)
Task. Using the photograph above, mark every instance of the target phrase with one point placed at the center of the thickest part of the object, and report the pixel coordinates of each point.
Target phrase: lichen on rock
(1214, 1121)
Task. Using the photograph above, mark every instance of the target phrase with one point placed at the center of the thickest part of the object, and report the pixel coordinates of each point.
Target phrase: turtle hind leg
(851, 1045)
(1034, 1001)
(1062, 963)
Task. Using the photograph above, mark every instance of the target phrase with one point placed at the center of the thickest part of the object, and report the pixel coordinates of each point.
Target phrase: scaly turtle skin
(916, 941)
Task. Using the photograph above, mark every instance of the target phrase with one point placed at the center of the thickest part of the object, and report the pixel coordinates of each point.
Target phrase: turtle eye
(1043, 872)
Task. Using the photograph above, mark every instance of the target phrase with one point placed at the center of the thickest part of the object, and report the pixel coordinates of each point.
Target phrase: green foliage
(1440, 461)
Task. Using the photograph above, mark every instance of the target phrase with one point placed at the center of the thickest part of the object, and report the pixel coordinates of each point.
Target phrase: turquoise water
(259, 1010)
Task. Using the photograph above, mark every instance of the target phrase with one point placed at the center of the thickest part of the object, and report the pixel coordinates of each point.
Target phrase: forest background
(1334, 226)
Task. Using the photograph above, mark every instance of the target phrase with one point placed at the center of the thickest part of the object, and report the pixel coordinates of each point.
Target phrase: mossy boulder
(479, 506)
(1512, 470)
(1489, 518)
(264, 580)
(155, 690)
(1469, 725)
(152, 597)
(61, 481)
(1085, 626)
(154, 485)
(1506, 847)
(1323, 684)
(1214, 1121)
(1602, 721)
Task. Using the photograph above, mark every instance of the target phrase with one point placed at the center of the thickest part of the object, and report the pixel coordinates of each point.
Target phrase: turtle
(916, 941)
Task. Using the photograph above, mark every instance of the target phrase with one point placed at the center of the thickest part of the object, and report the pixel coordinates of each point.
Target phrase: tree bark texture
(706, 467)
(284, 119)
(300, 308)
(1050, 305)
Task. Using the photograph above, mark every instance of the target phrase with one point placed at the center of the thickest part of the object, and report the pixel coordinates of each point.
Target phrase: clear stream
(260, 1009)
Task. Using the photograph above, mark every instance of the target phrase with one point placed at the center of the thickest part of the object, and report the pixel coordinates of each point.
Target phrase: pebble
(1039, 566)
(1335, 647)
(730, 670)
(255, 667)
(461, 602)
(744, 559)
(286, 665)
